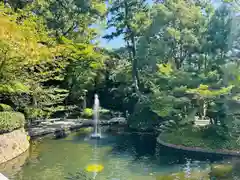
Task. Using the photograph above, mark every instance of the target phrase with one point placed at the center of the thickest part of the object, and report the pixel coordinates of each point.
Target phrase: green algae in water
(124, 157)
(182, 176)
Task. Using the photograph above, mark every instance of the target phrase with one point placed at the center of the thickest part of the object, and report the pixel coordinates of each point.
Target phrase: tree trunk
(84, 102)
(204, 109)
(134, 64)
(205, 63)
(34, 101)
(132, 49)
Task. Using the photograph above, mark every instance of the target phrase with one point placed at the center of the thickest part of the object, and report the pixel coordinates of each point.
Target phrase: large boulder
(13, 144)
(117, 120)
(221, 171)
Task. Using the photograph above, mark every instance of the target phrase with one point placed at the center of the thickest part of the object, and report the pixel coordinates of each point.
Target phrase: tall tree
(129, 18)
(173, 34)
(71, 18)
(219, 35)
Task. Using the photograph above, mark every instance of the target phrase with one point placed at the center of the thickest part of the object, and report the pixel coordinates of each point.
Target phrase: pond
(123, 155)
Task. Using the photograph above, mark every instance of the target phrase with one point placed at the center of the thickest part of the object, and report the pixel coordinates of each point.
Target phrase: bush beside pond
(87, 113)
(196, 137)
(10, 121)
(103, 113)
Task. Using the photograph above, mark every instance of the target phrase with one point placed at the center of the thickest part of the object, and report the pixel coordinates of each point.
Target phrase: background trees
(179, 57)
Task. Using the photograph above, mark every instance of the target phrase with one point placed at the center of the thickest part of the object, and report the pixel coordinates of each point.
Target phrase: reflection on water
(125, 156)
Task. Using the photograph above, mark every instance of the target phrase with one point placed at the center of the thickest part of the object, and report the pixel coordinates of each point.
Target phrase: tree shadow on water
(137, 145)
(145, 146)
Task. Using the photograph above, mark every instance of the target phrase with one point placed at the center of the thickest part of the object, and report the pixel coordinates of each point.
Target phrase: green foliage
(131, 18)
(181, 59)
(204, 92)
(21, 49)
(10, 121)
(88, 113)
(165, 69)
(143, 118)
(30, 58)
(71, 18)
(192, 137)
(5, 107)
(34, 113)
(85, 71)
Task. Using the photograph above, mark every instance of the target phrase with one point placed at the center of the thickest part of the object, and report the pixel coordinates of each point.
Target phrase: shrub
(5, 107)
(88, 112)
(195, 137)
(10, 121)
(34, 113)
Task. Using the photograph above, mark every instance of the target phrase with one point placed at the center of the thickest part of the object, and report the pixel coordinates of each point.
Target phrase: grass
(196, 137)
(10, 121)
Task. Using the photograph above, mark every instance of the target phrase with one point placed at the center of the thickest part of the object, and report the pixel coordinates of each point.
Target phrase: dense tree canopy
(180, 60)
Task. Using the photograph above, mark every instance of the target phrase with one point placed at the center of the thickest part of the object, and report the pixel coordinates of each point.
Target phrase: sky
(116, 42)
(113, 44)
(119, 42)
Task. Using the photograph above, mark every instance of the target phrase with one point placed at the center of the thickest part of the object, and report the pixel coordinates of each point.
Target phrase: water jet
(97, 131)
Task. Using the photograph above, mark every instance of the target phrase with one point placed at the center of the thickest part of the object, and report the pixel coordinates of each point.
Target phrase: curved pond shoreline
(199, 150)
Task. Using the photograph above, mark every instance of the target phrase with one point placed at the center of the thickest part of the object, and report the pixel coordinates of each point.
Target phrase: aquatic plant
(183, 176)
(78, 176)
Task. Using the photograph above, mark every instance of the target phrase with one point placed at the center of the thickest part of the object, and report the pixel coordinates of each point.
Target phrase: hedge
(10, 121)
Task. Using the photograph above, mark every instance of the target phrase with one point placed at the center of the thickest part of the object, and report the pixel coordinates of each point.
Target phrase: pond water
(124, 156)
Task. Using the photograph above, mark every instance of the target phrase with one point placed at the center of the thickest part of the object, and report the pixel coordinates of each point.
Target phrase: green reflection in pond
(124, 156)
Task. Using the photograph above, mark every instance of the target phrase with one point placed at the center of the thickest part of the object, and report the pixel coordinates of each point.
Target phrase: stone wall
(200, 150)
(13, 144)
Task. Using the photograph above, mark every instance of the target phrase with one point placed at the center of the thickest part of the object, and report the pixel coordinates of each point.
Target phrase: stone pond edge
(82, 123)
(199, 150)
(13, 144)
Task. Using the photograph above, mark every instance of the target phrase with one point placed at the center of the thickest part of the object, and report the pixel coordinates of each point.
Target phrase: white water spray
(97, 133)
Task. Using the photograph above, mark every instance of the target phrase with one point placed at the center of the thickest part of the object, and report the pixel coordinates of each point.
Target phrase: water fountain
(97, 133)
